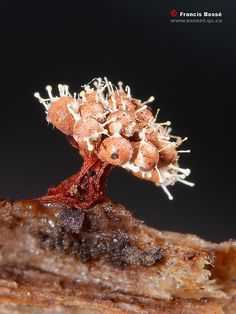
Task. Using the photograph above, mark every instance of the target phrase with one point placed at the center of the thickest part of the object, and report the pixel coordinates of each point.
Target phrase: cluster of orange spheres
(121, 130)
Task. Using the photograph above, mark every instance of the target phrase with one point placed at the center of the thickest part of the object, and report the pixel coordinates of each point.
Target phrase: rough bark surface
(55, 258)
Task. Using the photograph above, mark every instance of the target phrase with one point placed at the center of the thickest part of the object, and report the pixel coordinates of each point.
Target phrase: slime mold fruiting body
(111, 128)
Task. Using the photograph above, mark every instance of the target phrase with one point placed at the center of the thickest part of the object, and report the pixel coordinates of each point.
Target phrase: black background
(189, 68)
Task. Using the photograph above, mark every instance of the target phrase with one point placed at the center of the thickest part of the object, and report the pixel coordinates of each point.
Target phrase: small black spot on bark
(192, 256)
(43, 236)
(158, 256)
(85, 254)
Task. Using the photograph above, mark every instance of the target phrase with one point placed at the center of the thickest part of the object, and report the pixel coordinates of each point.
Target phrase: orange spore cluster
(120, 130)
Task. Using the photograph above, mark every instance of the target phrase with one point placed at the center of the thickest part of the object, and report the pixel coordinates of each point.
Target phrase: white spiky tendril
(171, 174)
(63, 91)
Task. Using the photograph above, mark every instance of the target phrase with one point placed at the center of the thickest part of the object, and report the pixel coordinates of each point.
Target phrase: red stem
(83, 189)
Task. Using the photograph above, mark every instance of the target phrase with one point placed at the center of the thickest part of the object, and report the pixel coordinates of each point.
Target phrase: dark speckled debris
(103, 232)
(71, 220)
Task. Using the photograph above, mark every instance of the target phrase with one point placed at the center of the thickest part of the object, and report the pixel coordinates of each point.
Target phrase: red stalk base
(83, 189)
